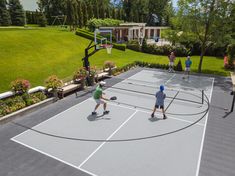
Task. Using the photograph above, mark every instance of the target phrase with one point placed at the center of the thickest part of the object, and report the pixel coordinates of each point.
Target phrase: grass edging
(26, 110)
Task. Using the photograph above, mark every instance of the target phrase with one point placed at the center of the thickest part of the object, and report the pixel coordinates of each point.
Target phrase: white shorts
(99, 101)
(171, 63)
(187, 69)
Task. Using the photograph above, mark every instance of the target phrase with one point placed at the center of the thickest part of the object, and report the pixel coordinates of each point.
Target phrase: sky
(32, 5)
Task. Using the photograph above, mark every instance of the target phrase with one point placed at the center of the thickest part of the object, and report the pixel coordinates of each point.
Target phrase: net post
(233, 101)
(202, 96)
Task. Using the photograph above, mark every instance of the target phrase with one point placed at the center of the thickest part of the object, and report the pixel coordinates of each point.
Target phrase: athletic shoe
(164, 116)
(152, 115)
(94, 113)
(105, 112)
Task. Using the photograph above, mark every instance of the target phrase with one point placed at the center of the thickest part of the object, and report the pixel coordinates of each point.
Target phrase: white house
(135, 31)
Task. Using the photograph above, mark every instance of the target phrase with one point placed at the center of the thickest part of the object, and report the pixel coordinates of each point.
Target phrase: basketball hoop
(109, 48)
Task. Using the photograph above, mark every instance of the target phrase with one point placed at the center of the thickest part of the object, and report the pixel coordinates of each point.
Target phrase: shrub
(109, 64)
(151, 65)
(85, 35)
(38, 95)
(178, 67)
(53, 82)
(13, 104)
(231, 54)
(121, 47)
(20, 86)
(134, 45)
(96, 23)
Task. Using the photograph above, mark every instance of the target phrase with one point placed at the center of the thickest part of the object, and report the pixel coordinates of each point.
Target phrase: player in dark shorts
(160, 97)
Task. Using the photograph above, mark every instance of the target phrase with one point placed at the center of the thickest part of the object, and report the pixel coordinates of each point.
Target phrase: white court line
(65, 110)
(46, 154)
(147, 112)
(169, 79)
(107, 139)
(204, 132)
(13, 138)
(51, 118)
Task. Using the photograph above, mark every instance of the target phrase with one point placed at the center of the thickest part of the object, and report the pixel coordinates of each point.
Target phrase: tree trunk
(201, 58)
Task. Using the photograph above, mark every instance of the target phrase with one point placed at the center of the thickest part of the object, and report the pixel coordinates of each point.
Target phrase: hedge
(96, 23)
(134, 45)
(119, 46)
(180, 51)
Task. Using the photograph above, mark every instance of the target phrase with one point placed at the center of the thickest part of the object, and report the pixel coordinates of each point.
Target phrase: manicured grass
(36, 53)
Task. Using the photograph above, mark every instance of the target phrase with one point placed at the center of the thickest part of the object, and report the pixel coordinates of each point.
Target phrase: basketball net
(109, 49)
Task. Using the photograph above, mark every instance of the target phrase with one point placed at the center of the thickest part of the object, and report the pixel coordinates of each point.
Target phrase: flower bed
(17, 102)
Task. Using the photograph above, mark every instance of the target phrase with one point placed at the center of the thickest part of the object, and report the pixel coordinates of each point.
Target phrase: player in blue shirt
(188, 64)
(160, 97)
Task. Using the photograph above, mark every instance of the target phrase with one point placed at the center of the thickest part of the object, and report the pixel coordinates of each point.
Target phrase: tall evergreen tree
(114, 15)
(80, 14)
(72, 13)
(127, 7)
(5, 19)
(85, 14)
(53, 8)
(42, 21)
(102, 9)
(96, 9)
(158, 7)
(120, 14)
(90, 10)
(16, 12)
(108, 13)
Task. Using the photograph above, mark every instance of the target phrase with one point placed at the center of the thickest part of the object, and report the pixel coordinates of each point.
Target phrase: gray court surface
(128, 141)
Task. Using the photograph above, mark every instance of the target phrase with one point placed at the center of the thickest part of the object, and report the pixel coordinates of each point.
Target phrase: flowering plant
(53, 82)
(80, 74)
(20, 85)
(109, 64)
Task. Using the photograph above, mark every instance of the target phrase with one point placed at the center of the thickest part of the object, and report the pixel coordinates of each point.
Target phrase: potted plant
(80, 76)
(109, 65)
(52, 84)
(20, 86)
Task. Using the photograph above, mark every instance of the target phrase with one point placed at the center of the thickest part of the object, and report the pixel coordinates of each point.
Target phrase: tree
(96, 9)
(168, 13)
(5, 19)
(16, 13)
(102, 12)
(80, 14)
(90, 10)
(120, 14)
(53, 8)
(42, 21)
(71, 11)
(207, 19)
(85, 15)
(114, 16)
(158, 7)
(128, 10)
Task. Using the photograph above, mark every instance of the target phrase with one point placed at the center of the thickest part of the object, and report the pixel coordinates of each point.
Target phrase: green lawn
(36, 53)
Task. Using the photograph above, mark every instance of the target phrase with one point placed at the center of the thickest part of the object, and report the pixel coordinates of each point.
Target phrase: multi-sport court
(128, 141)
